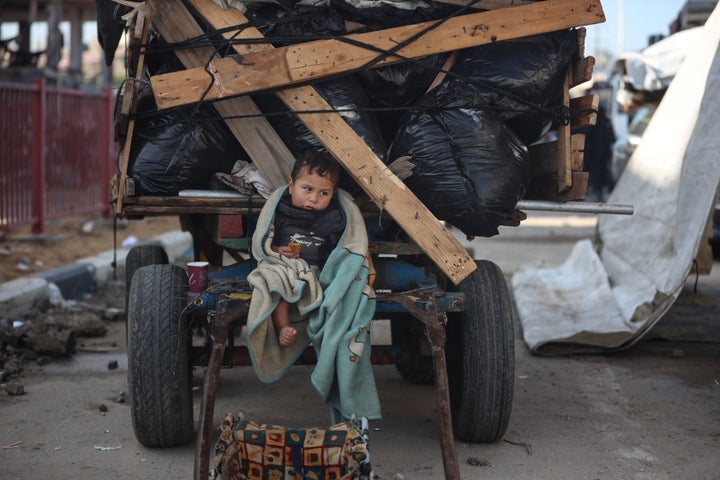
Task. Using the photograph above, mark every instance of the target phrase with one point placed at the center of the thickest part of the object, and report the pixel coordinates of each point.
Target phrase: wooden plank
(582, 71)
(129, 88)
(132, 94)
(564, 165)
(543, 157)
(582, 66)
(314, 60)
(132, 210)
(546, 188)
(583, 110)
(387, 191)
(480, 4)
(222, 20)
(239, 201)
(581, 36)
(261, 142)
(234, 205)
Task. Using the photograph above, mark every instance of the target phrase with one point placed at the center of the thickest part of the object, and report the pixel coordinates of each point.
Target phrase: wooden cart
(431, 277)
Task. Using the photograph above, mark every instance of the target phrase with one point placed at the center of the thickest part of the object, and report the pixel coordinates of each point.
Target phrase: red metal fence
(57, 154)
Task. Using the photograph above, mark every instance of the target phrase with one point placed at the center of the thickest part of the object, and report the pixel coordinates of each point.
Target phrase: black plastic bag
(403, 83)
(179, 150)
(345, 95)
(379, 15)
(301, 24)
(110, 26)
(513, 77)
(470, 168)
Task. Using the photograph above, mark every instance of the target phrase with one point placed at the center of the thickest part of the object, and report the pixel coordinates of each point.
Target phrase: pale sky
(642, 18)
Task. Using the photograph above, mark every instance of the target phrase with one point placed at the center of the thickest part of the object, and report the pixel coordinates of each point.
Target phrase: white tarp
(654, 67)
(605, 296)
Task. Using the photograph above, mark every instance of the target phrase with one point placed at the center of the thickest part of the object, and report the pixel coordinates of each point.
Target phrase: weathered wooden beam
(386, 190)
(583, 110)
(543, 156)
(564, 165)
(130, 100)
(582, 71)
(244, 119)
(314, 60)
(546, 188)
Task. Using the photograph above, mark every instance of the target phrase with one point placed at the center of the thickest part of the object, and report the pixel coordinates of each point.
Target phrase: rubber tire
(480, 353)
(159, 371)
(141, 256)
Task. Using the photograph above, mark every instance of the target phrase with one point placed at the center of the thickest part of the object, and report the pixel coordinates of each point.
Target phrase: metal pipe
(579, 207)
(219, 333)
(436, 335)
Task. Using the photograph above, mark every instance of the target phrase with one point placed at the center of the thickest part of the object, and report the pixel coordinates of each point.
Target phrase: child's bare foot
(286, 336)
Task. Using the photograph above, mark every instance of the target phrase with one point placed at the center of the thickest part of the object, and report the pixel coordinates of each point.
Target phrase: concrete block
(73, 280)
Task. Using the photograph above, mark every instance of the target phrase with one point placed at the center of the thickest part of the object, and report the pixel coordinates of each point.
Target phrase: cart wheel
(159, 372)
(141, 256)
(411, 362)
(480, 355)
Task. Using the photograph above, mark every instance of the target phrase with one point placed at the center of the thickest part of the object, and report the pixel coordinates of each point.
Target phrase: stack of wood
(291, 70)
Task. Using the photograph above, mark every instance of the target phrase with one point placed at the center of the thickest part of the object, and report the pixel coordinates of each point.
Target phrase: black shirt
(317, 231)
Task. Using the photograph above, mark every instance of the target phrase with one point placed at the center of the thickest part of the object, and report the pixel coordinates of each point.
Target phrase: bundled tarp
(645, 75)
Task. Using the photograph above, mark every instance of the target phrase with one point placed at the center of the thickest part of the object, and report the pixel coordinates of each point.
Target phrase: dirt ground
(23, 253)
(648, 413)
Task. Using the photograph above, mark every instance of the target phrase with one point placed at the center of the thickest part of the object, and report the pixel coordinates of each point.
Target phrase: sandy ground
(23, 253)
(649, 413)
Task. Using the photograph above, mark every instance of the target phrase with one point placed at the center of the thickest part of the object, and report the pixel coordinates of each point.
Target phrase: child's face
(311, 191)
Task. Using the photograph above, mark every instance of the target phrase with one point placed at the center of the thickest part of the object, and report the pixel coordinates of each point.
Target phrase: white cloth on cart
(606, 296)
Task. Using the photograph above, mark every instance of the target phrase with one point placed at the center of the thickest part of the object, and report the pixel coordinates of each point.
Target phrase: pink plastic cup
(197, 277)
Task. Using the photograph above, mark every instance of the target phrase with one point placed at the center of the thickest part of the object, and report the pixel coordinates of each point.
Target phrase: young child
(308, 223)
(321, 295)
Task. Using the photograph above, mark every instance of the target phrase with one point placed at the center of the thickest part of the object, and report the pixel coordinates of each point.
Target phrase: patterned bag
(249, 451)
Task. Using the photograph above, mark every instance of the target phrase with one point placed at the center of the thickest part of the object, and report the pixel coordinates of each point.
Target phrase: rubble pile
(55, 331)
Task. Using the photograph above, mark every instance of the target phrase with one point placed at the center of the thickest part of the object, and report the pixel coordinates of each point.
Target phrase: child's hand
(285, 251)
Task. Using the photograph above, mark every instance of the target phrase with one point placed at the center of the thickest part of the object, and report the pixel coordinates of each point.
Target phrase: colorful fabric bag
(246, 450)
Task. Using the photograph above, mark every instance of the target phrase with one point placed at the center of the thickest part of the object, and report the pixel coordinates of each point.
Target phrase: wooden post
(39, 144)
(107, 158)
(563, 143)
(130, 104)
(76, 44)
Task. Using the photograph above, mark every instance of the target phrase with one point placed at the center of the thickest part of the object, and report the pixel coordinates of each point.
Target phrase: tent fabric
(624, 285)
(655, 67)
